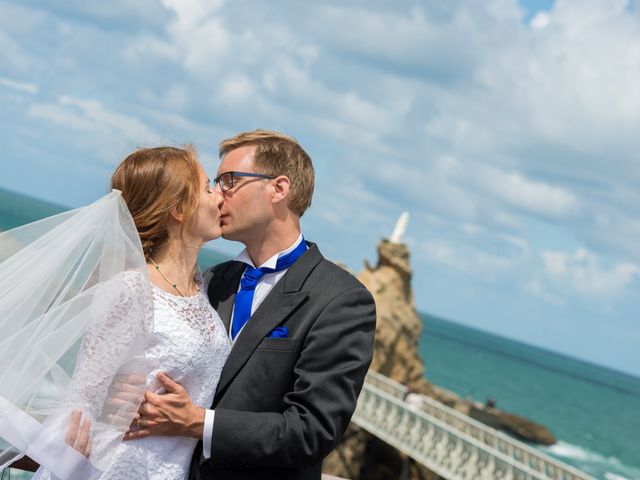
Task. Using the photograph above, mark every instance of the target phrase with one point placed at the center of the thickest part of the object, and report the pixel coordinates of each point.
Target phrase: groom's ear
(281, 188)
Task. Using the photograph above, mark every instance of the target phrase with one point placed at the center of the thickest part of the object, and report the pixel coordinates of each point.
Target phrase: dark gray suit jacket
(282, 404)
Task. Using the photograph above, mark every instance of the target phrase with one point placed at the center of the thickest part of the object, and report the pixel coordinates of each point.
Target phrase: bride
(115, 300)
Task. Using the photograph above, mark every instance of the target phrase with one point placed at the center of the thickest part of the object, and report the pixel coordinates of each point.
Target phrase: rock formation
(398, 331)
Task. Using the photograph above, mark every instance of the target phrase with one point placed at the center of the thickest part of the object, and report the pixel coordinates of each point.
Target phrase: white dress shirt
(263, 287)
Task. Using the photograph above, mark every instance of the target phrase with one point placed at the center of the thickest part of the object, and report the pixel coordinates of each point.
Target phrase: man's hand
(79, 435)
(172, 413)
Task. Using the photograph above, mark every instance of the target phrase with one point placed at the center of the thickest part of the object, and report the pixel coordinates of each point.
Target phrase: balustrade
(447, 442)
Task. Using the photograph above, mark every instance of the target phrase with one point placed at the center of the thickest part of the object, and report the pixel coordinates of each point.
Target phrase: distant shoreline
(632, 375)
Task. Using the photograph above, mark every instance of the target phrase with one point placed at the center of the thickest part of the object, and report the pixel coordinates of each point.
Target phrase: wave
(575, 452)
(592, 462)
(613, 476)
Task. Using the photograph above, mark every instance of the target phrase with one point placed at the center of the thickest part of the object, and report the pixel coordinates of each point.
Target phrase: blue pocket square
(279, 332)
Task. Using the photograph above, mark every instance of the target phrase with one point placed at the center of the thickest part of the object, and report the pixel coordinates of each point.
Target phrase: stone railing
(448, 443)
(387, 385)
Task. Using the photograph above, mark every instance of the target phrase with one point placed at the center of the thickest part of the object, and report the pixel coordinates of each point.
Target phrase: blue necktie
(244, 298)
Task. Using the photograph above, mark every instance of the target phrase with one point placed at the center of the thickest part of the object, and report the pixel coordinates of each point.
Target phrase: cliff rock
(398, 330)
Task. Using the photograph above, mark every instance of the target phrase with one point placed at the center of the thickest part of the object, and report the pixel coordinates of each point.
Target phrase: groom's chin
(232, 234)
(227, 235)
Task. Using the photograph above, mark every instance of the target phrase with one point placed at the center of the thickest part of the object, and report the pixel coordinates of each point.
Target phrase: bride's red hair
(152, 182)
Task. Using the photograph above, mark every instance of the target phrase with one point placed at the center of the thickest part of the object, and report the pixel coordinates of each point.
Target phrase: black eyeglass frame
(216, 181)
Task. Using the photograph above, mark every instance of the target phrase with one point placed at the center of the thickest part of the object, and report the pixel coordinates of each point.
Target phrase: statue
(400, 228)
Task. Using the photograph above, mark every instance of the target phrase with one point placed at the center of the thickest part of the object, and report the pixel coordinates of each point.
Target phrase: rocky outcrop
(519, 427)
(398, 331)
(398, 326)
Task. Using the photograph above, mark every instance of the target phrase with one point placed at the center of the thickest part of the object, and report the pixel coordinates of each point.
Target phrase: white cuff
(44, 442)
(207, 434)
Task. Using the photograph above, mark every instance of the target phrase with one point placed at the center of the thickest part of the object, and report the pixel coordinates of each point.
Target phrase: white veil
(75, 310)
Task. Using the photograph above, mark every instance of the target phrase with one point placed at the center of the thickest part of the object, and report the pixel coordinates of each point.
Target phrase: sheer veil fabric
(75, 311)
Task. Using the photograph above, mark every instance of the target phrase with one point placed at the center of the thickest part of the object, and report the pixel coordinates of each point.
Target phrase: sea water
(594, 412)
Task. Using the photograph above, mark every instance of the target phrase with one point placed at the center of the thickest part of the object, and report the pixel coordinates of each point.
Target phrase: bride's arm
(112, 349)
(78, 436)
(107, 388)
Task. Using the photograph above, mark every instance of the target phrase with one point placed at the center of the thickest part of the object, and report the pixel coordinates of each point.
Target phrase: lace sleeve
(111, 360)
(110, 375)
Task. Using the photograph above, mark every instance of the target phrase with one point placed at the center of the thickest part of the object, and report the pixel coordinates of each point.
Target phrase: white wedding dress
(189, 343)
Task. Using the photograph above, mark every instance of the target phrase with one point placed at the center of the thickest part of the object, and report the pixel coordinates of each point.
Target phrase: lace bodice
(189, 343)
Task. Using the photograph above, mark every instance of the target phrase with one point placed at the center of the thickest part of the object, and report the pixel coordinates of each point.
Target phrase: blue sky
(509, 131)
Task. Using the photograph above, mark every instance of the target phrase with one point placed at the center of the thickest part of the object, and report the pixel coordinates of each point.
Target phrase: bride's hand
(79, 433)
(125, 391)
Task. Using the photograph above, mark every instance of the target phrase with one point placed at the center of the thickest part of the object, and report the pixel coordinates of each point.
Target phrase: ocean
(17, 210)
(593, 411)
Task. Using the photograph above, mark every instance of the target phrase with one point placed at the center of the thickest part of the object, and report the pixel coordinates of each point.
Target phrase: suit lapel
(223, 289)
(283, 299)
(273, 310)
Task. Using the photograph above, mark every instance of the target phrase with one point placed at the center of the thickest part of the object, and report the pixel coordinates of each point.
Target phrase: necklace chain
(175, 286)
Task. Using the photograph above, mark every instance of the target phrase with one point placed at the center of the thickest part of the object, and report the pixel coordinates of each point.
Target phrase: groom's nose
(219, 197)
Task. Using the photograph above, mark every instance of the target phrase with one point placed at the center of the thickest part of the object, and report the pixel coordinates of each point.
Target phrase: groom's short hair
(278, 154)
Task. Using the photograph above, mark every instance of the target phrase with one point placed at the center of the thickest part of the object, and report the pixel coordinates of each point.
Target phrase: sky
(510, 132)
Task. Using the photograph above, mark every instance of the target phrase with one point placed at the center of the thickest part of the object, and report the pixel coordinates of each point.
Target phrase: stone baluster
(448, 443)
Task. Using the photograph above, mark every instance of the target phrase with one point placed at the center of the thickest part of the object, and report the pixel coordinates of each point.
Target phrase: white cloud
(540, 20)
(582, 272)
(537, 197)
(198, 34)
(552, 115)
(19, 86)
(191, 13)
(401, 39)
(345, 114)
(538, 288)
(616, 227)
(92, 116)
(61, 116)
(475, 262)
(14, 56)
(177, 97)
(96, 112)
(194, 38)
(520, 243)
(347, 201)
(584, 68)
(235, 89)
(441, 252)
(471, 229)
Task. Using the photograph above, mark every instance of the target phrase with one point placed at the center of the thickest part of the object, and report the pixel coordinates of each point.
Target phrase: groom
(301, 328)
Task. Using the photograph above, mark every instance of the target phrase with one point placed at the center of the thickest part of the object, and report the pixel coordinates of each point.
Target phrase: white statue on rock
(400, 228)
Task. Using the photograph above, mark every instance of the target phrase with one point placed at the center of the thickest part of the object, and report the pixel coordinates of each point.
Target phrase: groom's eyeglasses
(227, 180)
